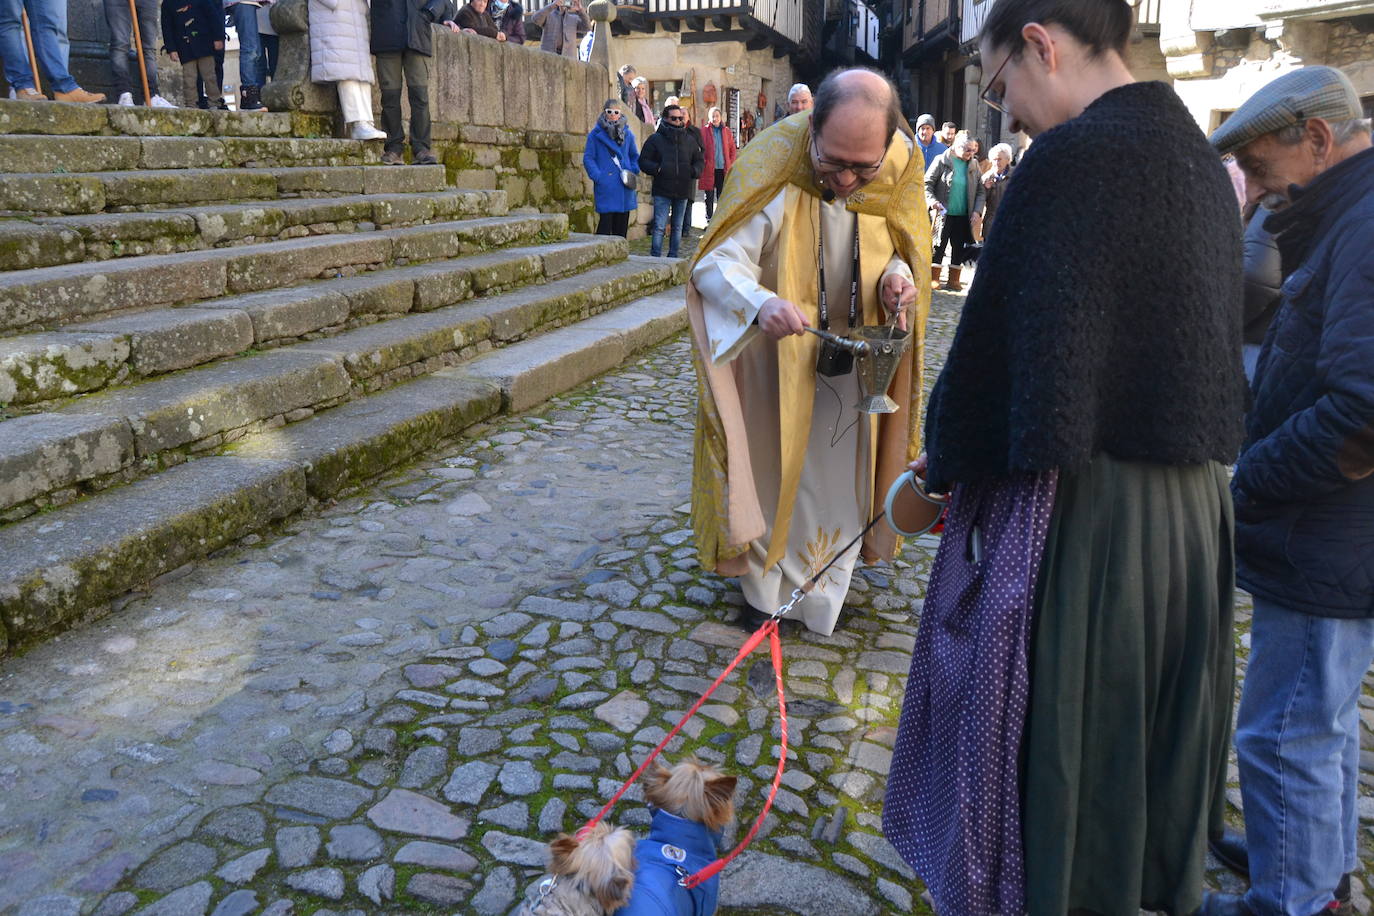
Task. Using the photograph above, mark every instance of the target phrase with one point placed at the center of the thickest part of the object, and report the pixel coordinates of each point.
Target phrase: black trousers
(713, 195)
(614, 224)
(956, 233)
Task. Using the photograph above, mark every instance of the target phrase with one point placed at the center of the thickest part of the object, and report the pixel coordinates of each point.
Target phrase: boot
(952, 284)
(250, 99)
(935, 276)
(79, 95)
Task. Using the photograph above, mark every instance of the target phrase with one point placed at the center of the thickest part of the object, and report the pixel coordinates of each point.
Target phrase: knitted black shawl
(1106, 310)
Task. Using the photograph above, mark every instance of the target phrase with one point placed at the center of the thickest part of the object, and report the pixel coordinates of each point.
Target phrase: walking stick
(138, 49)
(33, 58)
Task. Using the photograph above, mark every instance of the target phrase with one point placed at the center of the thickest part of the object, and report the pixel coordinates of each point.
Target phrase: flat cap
(925, 119)
(1308, 92)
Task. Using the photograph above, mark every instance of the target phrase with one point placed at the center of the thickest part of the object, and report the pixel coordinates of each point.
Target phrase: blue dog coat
(673, 842)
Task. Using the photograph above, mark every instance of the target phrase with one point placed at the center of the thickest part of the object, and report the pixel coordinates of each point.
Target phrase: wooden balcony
(928, 22)
(1147, 16)
(759, 23)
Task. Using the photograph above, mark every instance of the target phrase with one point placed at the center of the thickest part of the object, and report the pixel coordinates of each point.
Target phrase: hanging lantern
(708, 94)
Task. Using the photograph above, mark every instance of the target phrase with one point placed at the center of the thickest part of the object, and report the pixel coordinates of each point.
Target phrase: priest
(821, 224)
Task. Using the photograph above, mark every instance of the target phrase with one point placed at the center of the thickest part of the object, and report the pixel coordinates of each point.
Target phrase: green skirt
(1132, 673)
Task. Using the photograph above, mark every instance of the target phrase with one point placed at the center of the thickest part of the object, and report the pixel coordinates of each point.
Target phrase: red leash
(769, 630)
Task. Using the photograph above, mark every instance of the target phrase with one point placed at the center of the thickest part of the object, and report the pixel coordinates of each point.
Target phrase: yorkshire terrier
(608, 873)
(592, 877)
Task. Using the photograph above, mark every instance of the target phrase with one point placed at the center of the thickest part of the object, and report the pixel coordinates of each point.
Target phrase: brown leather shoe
(30, 95)
(80, 95)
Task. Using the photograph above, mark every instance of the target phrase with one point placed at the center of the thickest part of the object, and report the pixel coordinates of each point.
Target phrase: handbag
(629, 179)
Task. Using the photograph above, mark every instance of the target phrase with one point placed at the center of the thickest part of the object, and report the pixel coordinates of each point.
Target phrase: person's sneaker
(424, 157)
(365, 131)
(29, 95)
(160, 102)
(80, 96)
(126, 100)
(390, 158)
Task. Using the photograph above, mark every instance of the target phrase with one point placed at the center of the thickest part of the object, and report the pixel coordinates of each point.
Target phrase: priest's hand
(778, 318)
(896, 294)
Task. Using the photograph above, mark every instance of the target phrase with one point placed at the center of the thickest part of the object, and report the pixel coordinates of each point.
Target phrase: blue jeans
(48, 22)
(666, 209)
(251, 61)
(1298, 744)
(122, 40)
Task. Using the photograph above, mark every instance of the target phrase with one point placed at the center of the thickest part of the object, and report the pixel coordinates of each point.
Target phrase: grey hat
(925, 119)
(1309, 92)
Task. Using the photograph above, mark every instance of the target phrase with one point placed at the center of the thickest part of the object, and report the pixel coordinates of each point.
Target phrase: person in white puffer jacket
(339, 53)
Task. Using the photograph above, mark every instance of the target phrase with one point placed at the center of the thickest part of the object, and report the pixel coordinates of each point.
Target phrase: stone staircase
(208, 321)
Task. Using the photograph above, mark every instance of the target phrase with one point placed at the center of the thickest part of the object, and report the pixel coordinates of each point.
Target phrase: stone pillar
(292, 90)
(602, 13)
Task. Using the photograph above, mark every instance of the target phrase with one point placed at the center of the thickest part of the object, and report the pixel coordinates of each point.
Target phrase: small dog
(593, 877)
(692, 802)
(607, 873)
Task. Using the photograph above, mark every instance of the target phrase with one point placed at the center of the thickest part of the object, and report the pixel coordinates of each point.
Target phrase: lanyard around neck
(853, 278)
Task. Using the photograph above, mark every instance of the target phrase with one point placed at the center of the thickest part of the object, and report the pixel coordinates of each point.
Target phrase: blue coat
(598, 158)
(1304, 485)
(673, 843)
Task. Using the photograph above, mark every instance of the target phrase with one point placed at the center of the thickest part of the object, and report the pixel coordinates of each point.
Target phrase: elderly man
(925, 139)
(1304, 495)
(821, 228)
(799, 98)
(954, 195)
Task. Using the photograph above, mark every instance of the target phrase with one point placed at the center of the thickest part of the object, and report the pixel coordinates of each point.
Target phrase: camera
(834, 360)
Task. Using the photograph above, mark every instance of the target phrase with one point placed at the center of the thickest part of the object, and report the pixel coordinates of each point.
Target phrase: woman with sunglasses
(609, 156)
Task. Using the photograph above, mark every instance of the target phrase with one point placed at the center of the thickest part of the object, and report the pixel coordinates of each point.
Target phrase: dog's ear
(719, 792)
(561, 850)
(655, 778)
(615, 893)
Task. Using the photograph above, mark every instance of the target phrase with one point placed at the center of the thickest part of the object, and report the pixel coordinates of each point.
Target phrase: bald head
(856, 94)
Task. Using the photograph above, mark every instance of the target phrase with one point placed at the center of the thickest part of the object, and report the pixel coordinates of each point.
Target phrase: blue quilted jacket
(673, 842)
(1304, 484)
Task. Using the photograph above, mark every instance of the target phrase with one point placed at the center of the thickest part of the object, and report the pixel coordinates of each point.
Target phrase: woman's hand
(500, 36)
(451, 25)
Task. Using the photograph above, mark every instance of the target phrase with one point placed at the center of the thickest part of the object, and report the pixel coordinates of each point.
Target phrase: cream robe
(739, 276)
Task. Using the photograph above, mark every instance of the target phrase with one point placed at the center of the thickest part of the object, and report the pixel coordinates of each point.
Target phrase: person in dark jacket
(1304, 495)
(955, 195)
(995, 182)
(611, 147)
(193, 30)
(403, 45)
(1263, 277)
(510, 19)
(475, 19)
(674, 158)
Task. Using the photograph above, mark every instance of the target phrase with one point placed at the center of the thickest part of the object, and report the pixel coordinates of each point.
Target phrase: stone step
(78, 358)
(46, 458)
(49, 296)
(36, 153)
(61, 118)
(45, 241)
(145, 189)
(66, 565)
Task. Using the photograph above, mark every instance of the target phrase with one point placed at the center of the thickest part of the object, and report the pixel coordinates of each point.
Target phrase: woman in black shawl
(1064, 732)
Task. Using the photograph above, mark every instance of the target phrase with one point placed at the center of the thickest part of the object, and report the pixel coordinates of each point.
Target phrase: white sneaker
(362, 130)
(126, 99)
(160, 102)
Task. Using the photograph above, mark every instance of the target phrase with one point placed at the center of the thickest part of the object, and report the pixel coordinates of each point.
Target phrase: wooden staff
(33, 58)
(138, 49)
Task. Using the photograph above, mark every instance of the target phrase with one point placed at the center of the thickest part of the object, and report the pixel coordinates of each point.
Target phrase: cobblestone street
(389, 706)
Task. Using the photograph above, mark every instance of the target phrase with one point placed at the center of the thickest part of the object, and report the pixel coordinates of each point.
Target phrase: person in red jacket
(718, 145)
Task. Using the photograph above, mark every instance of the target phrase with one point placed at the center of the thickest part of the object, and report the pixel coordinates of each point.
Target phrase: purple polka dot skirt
(953, 804)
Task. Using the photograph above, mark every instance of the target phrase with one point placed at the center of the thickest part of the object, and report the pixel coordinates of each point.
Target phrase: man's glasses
(676, 119)
(831, 167)
(993, 98)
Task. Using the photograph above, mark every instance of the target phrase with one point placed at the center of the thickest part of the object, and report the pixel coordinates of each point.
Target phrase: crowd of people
(344, 33)
(1067, 720)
